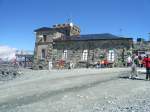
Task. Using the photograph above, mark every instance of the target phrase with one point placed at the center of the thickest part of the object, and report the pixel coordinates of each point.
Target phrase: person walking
(134, 73)
(129, 61)
(147, 66)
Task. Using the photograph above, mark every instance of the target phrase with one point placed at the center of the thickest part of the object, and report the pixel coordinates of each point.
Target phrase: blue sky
(19, 18)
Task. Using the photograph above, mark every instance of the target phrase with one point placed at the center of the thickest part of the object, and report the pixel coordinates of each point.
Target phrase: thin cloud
(7, 53)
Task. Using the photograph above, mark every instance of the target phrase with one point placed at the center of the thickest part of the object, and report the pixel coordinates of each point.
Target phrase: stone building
(62, 46)
(141, 47)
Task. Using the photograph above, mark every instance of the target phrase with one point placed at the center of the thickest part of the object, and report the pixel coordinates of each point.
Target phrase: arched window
(111, 56)
(64, 55)
(85, 55)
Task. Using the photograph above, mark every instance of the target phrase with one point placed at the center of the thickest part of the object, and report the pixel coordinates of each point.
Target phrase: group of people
(138, 60)
(102, 64)
(145, 62)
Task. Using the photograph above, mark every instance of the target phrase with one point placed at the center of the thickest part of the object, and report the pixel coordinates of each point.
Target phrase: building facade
(62, 46)
(141, 47)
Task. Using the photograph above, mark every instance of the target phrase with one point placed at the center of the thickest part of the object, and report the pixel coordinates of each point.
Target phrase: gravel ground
(79, 90)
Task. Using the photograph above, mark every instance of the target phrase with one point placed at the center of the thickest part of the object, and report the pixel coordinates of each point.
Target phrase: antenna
(148, 36)
(120, 31)
(69, 20)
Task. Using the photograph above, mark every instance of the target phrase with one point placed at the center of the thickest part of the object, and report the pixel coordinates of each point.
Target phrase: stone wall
(95, 48)
(40, 44)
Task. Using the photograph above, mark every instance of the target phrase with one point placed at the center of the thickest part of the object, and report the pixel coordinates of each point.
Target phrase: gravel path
(87, 90)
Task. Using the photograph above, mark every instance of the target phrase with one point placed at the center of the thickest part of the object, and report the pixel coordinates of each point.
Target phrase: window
(44, 38)
(85, 55)
(43, 55)
(64, 54)
(111, 55)
(39, 38)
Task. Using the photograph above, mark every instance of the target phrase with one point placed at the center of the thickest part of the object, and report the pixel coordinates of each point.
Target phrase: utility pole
(148, 36)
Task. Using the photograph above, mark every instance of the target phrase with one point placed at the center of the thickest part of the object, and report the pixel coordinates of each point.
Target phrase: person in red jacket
(147, 66)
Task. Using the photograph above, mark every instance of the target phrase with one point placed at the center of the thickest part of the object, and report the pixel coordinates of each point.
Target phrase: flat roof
(103, 36)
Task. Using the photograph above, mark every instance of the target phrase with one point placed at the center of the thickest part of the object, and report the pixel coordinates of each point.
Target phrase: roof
(43, 29)
(99, 36)
(103, 36)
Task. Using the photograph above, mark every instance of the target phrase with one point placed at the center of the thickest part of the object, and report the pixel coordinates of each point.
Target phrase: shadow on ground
(126, 77)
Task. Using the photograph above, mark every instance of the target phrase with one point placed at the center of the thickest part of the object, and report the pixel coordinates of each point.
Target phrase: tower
(68, 29)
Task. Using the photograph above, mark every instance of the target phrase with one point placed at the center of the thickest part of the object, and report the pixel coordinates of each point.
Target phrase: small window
(64, 55)
(44, 38)
(66, 32)
(85, 55)
(43, 54)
